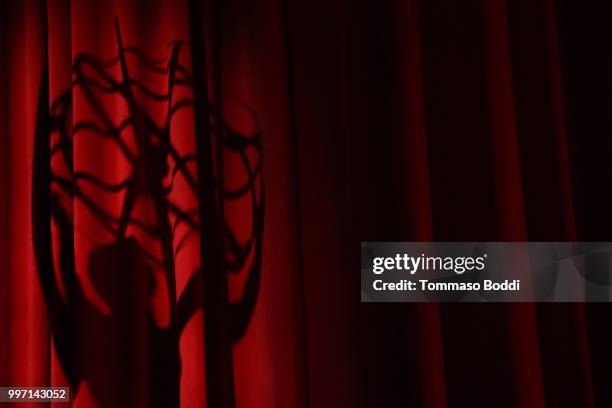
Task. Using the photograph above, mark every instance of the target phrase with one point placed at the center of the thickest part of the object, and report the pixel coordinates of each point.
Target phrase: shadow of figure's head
(120, 273)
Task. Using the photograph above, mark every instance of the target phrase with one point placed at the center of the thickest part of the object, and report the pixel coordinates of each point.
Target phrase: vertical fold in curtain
(25, 336)
(409, 114)
(509, 201)
(60, 77)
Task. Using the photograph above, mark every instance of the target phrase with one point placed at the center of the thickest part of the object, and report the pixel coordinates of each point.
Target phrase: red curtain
(185, 185)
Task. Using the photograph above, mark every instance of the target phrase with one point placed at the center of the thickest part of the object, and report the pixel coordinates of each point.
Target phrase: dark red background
(481, 120)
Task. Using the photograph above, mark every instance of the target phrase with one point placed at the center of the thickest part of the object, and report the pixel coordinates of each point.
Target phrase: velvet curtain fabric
(185, 185)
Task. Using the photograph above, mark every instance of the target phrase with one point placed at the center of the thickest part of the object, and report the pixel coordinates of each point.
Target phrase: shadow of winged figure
(109, 348)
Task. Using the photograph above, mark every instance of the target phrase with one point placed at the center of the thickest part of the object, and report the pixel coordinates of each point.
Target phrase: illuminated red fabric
(412, 120)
